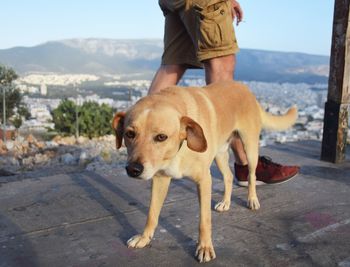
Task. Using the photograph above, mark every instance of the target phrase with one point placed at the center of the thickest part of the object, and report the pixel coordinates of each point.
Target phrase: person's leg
(219, 69)
(178, 55)
(222, 69)
(167, 75)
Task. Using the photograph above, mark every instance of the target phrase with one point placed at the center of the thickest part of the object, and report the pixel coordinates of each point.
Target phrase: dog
(179, 132)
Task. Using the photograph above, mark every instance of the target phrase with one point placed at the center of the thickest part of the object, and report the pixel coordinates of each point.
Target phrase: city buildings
(276, 98)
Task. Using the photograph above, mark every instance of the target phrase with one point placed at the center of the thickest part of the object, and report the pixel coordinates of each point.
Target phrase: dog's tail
(278, 122)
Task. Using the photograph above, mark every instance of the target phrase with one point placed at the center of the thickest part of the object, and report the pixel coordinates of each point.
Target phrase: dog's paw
(205, 252)
(222, 206)
(138, 241)
(253, 203)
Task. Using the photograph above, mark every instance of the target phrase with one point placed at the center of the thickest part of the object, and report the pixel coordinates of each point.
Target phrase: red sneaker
(267, 172)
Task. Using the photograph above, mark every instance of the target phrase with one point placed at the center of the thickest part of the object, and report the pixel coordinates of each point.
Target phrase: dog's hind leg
(160, 186)
(223, 165)
(251, 147)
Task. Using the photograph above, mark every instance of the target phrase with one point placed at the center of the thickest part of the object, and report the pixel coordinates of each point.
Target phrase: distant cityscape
(123, 91)
(118, 72)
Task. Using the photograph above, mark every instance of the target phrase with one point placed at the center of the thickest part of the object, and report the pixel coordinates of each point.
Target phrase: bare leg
(222, 69)
(219, 69)
(167, 75)
(238, 150)
(160, 186)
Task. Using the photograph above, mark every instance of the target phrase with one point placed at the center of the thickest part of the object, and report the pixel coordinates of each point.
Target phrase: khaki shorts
(201, 32)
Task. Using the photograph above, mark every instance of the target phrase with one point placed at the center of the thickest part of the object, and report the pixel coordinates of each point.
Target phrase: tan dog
(179, 131)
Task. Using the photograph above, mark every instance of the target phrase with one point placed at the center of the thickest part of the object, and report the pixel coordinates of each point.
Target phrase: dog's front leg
(160, 186)
(205, 250)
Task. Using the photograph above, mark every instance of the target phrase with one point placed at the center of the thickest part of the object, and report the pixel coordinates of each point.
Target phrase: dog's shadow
(186, 242)
(191, 188)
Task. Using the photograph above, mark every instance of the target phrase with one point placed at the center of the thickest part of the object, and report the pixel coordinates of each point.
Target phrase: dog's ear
(118, 126)
(194, 135)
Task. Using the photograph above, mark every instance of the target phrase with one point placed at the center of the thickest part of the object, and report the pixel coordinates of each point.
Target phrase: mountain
(106, 56)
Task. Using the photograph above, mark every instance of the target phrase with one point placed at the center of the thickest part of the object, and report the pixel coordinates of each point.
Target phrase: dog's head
(153, 135)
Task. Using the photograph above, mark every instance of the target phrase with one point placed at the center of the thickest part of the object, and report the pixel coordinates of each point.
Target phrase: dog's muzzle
(134, 169)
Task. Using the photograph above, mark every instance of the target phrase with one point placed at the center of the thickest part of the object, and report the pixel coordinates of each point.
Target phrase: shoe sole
(245, 183)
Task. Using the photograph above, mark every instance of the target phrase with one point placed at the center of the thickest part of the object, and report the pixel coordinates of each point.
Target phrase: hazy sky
(280, 25)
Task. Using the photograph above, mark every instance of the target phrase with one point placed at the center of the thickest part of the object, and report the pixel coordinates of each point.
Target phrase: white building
(43, 89)
(23, 88)
(40, 112)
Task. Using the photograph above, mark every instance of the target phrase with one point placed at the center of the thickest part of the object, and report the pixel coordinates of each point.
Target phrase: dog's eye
(160, 137)
(130, 134)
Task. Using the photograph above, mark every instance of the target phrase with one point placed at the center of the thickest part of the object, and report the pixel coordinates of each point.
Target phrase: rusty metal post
(338, 100)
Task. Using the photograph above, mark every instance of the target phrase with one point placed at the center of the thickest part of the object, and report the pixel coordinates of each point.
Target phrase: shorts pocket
(214, 26)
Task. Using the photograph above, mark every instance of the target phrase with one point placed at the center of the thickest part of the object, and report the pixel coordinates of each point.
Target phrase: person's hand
(237, 12)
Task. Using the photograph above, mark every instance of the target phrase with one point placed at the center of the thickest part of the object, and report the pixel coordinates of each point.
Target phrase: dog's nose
(134, 169)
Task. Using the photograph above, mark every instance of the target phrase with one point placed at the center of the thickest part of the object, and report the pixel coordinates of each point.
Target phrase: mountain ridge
(112, 56)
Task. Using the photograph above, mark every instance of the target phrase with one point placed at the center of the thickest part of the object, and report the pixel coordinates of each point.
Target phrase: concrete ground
(84, 218)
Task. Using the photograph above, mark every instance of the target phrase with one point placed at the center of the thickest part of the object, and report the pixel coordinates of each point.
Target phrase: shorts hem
(190, 64)
(213, 54)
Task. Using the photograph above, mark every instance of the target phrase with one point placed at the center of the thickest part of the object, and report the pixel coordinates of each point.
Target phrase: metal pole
(4, 113)
(76, 121)
(76, 114)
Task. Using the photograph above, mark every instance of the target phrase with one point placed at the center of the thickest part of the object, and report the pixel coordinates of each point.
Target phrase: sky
(276, 25)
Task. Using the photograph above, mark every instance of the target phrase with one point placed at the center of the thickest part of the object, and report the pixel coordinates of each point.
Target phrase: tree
(17, 121)
(13, 97)
(93, 119)
(23, 111)
(64, 117)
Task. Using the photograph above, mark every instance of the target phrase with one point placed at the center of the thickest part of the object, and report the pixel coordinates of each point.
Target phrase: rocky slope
(23, 154)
